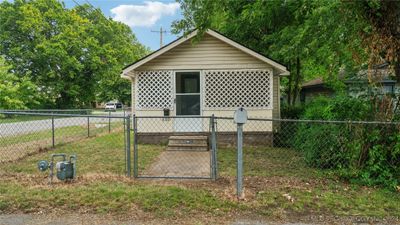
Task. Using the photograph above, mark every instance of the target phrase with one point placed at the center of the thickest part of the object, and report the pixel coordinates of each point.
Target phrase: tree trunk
(289, 90)
(297, 81)
(397, 69)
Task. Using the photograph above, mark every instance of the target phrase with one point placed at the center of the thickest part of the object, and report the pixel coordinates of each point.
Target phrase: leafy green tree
(118, 47)
(73, 56)
(15, 93)
(313, 38)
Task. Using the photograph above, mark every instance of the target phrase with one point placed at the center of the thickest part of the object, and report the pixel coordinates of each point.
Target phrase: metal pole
(135, 148)
(109, 122)
(239, 160)
(52, 131)
(88, 126)
(124, 124)
(128, 146)
(214, 148)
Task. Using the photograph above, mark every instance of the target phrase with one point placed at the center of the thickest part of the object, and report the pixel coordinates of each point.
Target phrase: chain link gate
(174, 147)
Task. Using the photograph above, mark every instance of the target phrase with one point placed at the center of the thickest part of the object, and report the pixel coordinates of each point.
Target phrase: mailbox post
(240, 118)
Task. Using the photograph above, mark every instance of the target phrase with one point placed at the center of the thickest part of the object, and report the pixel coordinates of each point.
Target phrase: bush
(291, 112)
(364, 153)
(323, 145)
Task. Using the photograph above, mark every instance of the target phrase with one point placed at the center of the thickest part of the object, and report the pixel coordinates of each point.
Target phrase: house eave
(282, 70)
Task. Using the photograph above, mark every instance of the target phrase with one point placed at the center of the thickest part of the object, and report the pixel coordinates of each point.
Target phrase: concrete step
(187, 148)
(186, 137)
(188, 143)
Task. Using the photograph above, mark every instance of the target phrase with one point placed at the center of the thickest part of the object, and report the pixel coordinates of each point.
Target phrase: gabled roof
(316, 82)
(281, 68)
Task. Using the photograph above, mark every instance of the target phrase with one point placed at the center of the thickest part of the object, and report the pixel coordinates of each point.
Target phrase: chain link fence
(357, 150)
(98, 140)
(205, 147)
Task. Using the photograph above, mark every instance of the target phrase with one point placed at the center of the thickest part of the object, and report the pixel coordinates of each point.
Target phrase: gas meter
(65, 169)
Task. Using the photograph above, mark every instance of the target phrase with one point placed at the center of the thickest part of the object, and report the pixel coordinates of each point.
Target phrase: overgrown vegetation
(365, 153)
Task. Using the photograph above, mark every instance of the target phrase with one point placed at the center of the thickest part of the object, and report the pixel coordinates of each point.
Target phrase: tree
(15, 93)
(119, 47)
(313, 38)
(381, 36)
(74, 56)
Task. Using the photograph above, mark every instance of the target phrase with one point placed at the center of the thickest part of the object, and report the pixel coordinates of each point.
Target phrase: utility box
(65, 170)
(240, 116)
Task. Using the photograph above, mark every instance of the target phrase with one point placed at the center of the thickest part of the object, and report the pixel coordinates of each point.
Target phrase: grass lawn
(277, 185)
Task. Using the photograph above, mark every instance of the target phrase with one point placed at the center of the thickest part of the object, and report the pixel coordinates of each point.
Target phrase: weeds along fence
(90, 136)
(367, 152)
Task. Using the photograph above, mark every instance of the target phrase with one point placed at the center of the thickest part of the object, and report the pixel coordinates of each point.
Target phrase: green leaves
(15, 93)
(67, 52)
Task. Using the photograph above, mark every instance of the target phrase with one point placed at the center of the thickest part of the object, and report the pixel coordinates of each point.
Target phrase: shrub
(291, 112)
(364, 153)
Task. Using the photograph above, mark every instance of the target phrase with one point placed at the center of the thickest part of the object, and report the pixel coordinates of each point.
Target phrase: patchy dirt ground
(223, 188)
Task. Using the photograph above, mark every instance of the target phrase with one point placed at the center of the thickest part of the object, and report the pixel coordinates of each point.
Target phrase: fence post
(240, 118)
(214, 148)
(128, 145)
(88, 126)
(124, 125)
(239, 160)
(109, 121)
(135, 148)
(52, 130)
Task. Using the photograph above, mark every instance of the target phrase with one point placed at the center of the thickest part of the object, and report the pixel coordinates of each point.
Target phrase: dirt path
(93, 219)
(61, 218)
(68, 219)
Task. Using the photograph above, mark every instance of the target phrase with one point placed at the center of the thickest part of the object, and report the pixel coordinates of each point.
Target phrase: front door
(187, 99)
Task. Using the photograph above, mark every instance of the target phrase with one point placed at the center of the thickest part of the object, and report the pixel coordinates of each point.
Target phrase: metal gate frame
(212, 143)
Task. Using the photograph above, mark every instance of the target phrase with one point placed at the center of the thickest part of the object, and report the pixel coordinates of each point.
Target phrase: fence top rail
(316, 121)
(61, 115)
(172, 117)
(45, 110)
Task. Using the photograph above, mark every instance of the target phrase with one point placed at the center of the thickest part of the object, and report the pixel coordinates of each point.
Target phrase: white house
(215, 75)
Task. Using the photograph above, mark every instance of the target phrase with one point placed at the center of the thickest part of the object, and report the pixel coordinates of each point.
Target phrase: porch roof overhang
(282, 70)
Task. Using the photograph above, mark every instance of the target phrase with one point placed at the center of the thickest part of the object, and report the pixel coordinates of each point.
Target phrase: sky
(142, 16)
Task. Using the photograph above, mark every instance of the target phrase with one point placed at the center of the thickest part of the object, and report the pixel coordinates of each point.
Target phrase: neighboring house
(314, 88)
(357, 86)
(212, 76)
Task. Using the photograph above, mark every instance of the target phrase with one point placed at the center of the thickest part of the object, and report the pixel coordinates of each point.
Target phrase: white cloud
(143, 15)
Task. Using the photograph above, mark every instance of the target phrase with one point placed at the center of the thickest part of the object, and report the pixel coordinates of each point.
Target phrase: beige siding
(276, 98)
(209, 53)
(160, 125)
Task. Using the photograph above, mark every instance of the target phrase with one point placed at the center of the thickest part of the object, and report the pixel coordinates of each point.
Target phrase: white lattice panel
(238, 88)
(154, 90)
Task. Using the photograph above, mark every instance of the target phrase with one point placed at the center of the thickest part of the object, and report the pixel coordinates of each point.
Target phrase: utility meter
(65, 169)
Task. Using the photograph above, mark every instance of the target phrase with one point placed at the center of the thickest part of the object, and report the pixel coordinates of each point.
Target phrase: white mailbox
(240, 116)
